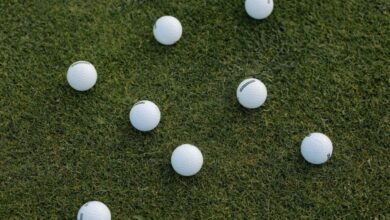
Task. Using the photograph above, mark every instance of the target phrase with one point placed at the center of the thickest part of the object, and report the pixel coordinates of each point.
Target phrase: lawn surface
(326, 65)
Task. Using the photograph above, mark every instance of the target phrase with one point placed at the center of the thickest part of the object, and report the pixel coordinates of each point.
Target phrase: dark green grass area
(326, 65)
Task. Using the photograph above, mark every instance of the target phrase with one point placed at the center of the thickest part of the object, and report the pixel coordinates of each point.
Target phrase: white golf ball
(167, 30)
(251, 93)
(259, 9)
(81, 75)
(316, 148)
(187, 160)
(94, 210)
(145, 115)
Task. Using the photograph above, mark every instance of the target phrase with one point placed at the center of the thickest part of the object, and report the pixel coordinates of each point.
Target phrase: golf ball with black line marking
(167, 30)
(316, 148)
(94, 210)
(259, 9)
(145, 115)
(251, 93)
(81, 75)
(187, 160)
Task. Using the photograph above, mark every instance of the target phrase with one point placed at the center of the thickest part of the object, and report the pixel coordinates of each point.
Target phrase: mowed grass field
(326, 65)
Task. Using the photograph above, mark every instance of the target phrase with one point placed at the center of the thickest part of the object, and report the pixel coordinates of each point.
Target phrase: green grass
(326, 65)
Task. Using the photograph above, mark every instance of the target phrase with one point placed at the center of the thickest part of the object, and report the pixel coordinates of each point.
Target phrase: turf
(326, 65)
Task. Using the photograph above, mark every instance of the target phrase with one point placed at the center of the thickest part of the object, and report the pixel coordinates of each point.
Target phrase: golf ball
(187, 160)
(145, 115)
(316, 148)
(81, 75)
(167, 30)
(259, 9)
(94, 210)
(251, 93)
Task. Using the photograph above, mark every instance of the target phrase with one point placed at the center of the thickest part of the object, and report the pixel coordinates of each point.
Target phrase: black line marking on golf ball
(81, 216)
(246, 84)
(155, 26)
(78, 62)
(269, 1)
(139, 103)
(328, 156)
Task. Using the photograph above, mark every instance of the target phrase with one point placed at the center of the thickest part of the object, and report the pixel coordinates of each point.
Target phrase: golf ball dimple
(187, 160)
(94, 210)
(316, 148)
(145, 115)
(259, 9)
(251, 93)
(81, 76)
(167, 30)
